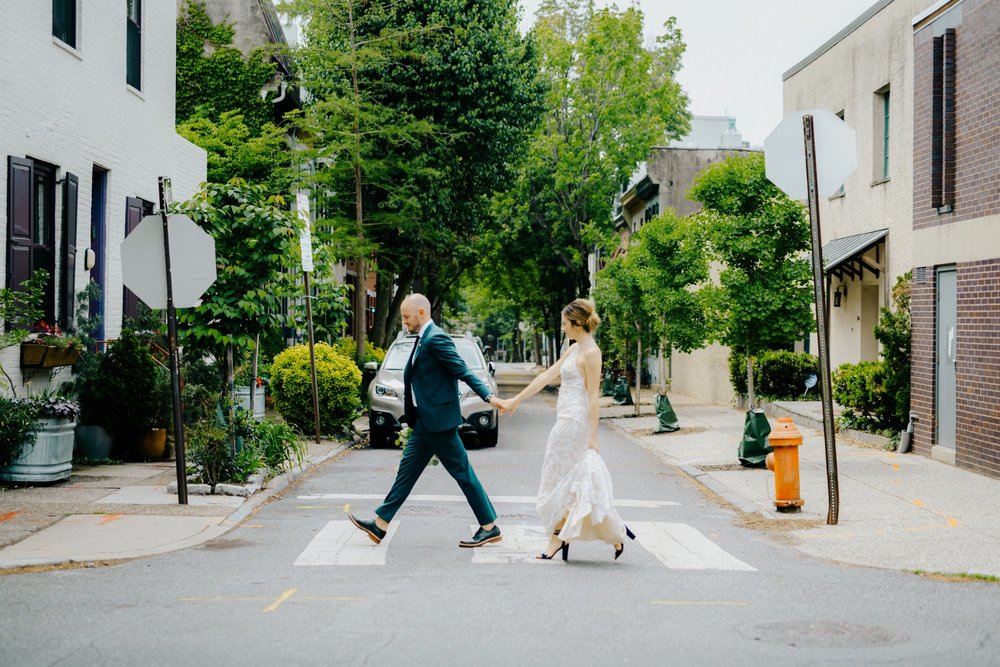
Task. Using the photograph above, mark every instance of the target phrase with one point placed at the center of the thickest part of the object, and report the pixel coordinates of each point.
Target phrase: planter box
(48, 459)
(243, 400)
(34, 355)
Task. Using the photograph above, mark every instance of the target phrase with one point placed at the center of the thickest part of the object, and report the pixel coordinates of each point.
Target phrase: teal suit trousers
(447, 446)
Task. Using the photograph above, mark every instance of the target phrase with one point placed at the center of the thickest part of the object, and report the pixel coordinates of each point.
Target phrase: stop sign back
(192, 261)
(836, 153)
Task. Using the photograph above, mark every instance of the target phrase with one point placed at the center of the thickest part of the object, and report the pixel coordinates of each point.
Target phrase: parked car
(385, 396)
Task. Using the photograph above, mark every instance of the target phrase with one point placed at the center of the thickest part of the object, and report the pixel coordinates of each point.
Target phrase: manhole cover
(820, 634)
(423, 510)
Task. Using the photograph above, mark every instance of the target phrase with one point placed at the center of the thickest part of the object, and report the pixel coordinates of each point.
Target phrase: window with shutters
(64, 21)
(135, 210)
(32, 231)
(133, 44)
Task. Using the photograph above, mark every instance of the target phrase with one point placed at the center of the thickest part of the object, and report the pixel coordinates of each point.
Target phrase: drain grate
(821, 634)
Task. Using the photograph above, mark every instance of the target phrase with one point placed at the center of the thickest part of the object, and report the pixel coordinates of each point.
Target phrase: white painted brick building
(86, 128)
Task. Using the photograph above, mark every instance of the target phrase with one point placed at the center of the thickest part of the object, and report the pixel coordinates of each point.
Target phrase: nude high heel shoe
(621, 547)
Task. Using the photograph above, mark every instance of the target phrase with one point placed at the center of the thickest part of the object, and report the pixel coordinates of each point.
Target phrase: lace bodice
(572, 401)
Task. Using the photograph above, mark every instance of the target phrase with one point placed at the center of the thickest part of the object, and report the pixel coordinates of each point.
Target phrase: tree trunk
(361, 290)
(750, 395)
(537, 340)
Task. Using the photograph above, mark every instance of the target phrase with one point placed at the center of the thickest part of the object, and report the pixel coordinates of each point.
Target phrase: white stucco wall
(844, 75)
(72, 108)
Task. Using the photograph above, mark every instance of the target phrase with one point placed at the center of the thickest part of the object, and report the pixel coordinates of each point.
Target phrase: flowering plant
(53, 336)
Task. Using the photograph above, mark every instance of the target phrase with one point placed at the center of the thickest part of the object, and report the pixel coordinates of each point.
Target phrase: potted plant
(36, 438)
(128, 396)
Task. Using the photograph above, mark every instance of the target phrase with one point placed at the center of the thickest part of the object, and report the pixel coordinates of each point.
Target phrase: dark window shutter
(20, 208)
(134, 210)
(71, 191)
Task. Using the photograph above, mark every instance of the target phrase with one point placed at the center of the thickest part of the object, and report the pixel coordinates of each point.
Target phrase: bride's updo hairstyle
(581, 313)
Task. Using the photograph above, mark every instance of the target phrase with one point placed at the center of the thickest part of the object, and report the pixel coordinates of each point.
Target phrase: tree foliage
(609, 101)
(256, 243)
(761, 236)
(417, 108)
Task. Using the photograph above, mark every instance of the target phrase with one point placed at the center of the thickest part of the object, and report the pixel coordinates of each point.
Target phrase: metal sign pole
(305, 246)
(175, 376)
(819, 293)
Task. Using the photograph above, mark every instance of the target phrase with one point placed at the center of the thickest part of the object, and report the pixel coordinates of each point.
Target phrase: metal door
(947, 357)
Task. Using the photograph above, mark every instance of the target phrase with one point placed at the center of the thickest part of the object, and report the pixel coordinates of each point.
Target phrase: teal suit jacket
(433, 374)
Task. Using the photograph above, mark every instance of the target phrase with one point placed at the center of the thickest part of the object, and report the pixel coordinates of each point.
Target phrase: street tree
(417, 107)
(764, 297)
(256, 245)
(610, 99)
(619, 296)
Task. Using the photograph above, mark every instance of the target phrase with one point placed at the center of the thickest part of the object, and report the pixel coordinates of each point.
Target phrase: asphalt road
(295, 584)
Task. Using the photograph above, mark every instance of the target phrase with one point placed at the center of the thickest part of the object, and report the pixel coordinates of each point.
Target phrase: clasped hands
(505, 406)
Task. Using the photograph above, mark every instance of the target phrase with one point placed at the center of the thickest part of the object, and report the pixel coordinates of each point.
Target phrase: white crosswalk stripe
(340, 543)
(516, 500)
(683, 547)
(678, 546)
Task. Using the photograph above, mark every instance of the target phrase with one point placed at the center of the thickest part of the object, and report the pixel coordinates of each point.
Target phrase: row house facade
(919, 82)
(86, 128)
(956, 250)
(864, 74)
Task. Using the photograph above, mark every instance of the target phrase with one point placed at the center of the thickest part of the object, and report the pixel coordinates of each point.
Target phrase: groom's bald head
(415, 311)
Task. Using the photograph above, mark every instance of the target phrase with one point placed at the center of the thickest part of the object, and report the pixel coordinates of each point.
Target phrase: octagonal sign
(836, 153)
(192, 261)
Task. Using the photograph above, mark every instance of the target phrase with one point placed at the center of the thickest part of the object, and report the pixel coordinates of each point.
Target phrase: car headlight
(484, 420)
(385, 390)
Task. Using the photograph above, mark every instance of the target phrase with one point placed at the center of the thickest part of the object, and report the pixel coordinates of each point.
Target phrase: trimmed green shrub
(861, 390)
(348, 348)
(338, 379)
(893, 332)
(778, 375)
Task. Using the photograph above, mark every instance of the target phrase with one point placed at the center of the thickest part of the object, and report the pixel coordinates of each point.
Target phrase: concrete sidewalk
(898, 511)
(112, 512)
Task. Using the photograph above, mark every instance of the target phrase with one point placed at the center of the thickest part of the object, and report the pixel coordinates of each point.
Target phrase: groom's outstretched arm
(444, 350)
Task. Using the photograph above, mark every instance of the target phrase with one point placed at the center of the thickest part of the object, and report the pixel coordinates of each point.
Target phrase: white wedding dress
(575, 482)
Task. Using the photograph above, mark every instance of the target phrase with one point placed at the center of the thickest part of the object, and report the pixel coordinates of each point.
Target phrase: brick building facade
(956, 213)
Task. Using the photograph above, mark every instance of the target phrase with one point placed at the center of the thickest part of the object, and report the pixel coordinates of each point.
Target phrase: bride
(575, 496)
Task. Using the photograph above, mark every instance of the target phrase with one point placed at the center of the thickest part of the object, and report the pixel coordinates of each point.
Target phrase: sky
(738, 50)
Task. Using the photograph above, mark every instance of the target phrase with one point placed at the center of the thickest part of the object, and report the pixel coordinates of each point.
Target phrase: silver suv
(385, 395)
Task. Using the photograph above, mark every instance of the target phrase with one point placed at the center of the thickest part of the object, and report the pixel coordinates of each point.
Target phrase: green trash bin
(623, 395)
(754, 447)
(668, 418)
(608, 385)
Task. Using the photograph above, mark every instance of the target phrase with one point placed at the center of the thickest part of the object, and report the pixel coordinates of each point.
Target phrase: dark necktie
(409, 409)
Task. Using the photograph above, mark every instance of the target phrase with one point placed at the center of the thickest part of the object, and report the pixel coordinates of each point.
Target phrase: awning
(845, 256)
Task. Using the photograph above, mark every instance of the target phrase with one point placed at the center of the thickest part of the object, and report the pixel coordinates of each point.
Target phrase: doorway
(946, 360)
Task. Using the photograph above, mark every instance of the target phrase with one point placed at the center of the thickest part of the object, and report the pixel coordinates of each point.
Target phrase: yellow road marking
(918, 503)
(310, 507)
(952, 521)
(716, 603)
(287, 598)
(281, 598)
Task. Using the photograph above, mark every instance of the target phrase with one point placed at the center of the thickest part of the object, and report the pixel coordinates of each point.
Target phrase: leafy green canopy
(764, 300)
(609, 101)
(256, 245)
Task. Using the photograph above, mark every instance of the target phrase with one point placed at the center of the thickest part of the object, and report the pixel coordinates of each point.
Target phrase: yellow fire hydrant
(785, 439)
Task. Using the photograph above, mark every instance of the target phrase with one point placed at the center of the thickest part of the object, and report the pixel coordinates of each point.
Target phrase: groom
(431, 400)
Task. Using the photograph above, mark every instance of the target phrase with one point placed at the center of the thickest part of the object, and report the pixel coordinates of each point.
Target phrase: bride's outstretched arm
(536, 385)
(592, 379)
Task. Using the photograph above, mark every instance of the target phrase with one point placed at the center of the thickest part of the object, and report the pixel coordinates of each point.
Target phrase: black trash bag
(668, 418)
(623, 395)
(753, 447)
(607, 385)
